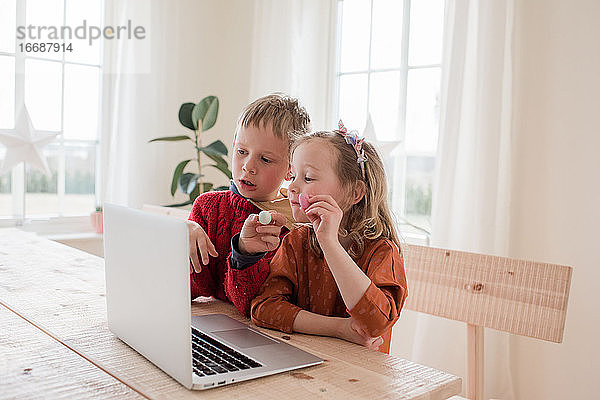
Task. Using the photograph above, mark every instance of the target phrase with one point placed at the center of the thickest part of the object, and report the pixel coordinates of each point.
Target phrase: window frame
(398, 177)
(18, 174)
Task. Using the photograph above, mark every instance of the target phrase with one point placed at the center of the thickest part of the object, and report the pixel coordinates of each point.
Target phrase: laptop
(149, 308)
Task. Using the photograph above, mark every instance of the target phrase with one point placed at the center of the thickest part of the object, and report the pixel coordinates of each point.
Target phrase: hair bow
(352, 139)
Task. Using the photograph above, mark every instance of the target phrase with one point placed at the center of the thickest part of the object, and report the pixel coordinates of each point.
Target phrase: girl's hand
(199, 243)
(325, 216)
(257, 238)
(349, 330)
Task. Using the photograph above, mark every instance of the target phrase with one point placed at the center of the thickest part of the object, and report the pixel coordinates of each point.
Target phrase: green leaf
(217, 148)
(211, 115)
(223, 169)
(185, 115)
(218, 159)
(187, 182)
(206, 111)
(185, 203)
(195, 193)
(206, 186)
(171, 138)
(221, 165)
(178, 171)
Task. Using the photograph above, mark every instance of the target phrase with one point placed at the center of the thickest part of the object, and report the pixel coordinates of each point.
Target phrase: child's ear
(360, 189)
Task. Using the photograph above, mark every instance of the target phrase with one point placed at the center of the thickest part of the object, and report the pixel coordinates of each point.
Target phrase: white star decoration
(384, 148)
(24, 144)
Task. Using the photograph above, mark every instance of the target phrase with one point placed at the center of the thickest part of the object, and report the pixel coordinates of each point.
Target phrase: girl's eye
(307, 179)
(266, 160)
(242, 152)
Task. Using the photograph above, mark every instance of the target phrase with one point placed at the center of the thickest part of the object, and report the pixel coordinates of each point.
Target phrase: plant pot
(96, 218)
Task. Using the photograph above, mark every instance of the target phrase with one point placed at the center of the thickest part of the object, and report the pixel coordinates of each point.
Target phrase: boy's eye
(307, 179)
(242, 152)
(266, 160)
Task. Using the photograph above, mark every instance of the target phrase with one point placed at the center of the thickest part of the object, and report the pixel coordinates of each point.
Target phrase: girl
(342, 274)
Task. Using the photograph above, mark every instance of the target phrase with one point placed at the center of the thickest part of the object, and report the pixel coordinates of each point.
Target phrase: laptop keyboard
(211, 357)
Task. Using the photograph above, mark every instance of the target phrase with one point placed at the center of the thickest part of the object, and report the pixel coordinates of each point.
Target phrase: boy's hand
(350, 330)
(325, 216)
(199, 242)
(257, 238)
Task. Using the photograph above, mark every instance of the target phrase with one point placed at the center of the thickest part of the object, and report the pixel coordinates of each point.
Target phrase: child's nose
(250, 167)
(293, 187)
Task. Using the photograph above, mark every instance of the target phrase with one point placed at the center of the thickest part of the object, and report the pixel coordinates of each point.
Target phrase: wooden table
(55, 343)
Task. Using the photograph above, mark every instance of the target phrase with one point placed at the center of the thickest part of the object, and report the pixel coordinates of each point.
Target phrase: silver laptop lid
(148, 287)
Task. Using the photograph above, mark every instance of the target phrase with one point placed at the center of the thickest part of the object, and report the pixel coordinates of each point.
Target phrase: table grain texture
(53, 316)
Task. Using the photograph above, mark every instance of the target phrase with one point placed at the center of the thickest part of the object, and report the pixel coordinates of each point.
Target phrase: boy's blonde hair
(370, 218)
(288, 119)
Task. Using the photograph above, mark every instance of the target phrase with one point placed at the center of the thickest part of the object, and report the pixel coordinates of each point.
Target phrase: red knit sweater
(222, 215)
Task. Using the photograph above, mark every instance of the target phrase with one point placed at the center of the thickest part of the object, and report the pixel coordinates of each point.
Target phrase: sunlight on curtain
(292, 53)
(470, 209)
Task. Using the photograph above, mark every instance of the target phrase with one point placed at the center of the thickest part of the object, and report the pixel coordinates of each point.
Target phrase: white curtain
(294, 52)
(145, 82)
(473, 186)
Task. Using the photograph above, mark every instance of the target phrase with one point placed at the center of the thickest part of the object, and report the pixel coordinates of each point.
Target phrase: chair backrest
(521, 297)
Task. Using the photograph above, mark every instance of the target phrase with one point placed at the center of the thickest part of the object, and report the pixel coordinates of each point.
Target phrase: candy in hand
(303, 199)
(264, 217)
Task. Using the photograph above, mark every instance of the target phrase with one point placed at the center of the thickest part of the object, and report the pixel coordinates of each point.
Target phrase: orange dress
(299, 280)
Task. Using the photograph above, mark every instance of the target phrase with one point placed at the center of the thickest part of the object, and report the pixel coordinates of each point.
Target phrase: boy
(225, 224)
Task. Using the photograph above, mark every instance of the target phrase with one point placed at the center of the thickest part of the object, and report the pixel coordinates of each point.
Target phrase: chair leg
(474, 362)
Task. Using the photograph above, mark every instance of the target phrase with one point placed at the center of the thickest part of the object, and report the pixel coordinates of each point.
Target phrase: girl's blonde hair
(370, 218)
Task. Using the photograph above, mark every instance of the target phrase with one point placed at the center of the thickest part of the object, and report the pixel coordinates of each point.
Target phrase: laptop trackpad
(244, 338)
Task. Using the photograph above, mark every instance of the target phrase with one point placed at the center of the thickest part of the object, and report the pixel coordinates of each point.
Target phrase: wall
(223, 38)
(555, 208)
(194, 49)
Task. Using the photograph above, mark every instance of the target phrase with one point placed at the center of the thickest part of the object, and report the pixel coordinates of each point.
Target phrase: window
(389, 67)
(61, 90)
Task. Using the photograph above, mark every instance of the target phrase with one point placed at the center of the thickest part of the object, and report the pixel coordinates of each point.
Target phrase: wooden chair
(520, 297)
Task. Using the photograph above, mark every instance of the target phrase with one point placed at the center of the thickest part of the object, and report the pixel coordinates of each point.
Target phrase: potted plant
(96, 218)
(198, 118)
